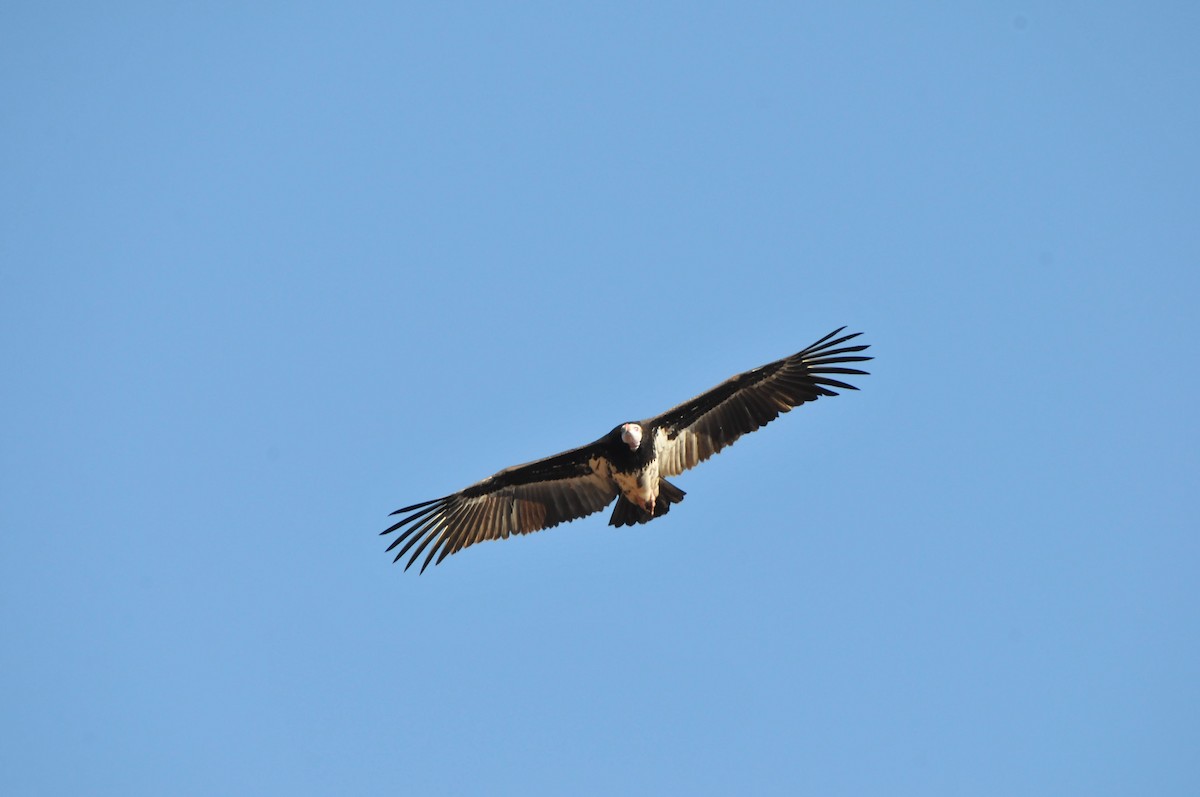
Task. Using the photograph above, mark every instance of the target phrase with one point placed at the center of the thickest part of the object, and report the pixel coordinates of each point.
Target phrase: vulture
(631, 463)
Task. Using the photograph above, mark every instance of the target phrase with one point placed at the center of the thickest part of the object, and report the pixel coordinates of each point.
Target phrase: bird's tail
(627, 513)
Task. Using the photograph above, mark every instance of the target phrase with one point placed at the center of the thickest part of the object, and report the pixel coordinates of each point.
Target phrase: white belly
(640, 488)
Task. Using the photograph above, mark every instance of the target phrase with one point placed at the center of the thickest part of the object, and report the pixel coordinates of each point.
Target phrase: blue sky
(270, 272)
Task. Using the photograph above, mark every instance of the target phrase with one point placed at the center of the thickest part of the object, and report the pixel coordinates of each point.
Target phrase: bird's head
(631, 435)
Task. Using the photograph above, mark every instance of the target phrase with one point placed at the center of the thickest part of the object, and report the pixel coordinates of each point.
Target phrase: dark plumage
(629, 463)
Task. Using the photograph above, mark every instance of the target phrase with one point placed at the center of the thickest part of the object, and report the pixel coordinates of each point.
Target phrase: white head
(631, 435)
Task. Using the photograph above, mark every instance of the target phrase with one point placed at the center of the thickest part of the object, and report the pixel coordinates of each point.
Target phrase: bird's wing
(699, 428)
(517, 500)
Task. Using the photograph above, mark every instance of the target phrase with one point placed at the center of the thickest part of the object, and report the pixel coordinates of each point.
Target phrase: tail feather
(627, 513)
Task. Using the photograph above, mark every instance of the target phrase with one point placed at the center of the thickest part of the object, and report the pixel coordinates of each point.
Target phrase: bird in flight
(630, 463)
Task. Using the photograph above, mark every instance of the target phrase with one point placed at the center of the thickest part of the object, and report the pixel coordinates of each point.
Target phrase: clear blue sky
(268, 273)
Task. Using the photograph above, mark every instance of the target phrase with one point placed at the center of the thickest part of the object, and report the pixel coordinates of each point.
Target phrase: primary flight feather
(630, 463)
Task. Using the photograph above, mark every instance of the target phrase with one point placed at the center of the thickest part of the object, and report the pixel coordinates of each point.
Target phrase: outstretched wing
(517, 500)
(699, 428)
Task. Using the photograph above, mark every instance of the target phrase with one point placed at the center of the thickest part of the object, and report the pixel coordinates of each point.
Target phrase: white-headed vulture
(630, 463)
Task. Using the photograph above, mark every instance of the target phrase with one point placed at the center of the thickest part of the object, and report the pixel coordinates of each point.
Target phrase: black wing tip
(825, 351)
(826, 341)
(838, 331)
(404, 509)
(424, 518)
(405, 551)
(408, 564)
(829, 356)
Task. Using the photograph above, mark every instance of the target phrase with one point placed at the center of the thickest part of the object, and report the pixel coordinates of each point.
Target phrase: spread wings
(699, 428)
(517, 500)
(579, 482)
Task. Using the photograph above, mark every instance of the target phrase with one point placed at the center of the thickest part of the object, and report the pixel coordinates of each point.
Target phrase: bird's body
(631, 463)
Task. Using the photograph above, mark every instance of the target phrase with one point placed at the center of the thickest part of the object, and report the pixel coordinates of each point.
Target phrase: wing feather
(702, 426)
(517, 500)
